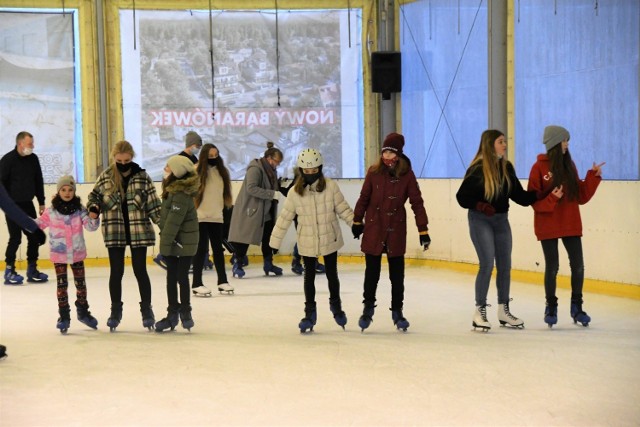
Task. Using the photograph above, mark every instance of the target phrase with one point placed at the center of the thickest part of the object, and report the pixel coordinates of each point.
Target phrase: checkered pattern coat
(143, 205)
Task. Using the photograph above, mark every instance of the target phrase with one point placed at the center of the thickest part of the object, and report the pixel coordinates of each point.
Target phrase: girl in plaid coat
(125, 195)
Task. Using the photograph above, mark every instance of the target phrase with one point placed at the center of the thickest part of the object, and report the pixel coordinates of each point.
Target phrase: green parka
(179, 229)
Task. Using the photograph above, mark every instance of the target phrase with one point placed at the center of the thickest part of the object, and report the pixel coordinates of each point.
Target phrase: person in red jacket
(387, 186)
(557, 216)
(487, 186)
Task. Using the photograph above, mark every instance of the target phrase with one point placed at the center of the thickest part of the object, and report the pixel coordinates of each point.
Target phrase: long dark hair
(203, 171)
(563, 172)
(299, 184)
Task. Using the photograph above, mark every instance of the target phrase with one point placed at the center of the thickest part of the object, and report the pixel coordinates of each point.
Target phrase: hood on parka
(189, 184)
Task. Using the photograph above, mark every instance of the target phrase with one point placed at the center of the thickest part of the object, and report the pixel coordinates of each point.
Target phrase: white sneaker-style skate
(480, 318)
(201, 291)
(507, 319)
(225, 287)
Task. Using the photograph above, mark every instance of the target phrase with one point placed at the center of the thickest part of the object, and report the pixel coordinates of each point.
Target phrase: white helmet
(309, 159)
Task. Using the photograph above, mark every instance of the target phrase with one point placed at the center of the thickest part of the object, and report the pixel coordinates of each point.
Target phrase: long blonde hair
(494, 169)
(121, 147)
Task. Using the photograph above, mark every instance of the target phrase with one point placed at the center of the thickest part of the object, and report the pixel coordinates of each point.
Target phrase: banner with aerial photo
(242, 78)
(39, 85)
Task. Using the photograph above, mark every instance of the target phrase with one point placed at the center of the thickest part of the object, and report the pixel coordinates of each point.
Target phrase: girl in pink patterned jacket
(66, 219)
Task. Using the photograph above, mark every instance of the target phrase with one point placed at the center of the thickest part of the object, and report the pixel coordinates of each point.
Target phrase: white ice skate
(507, 319)
(480, 318)
(226, 288)
(201, 291)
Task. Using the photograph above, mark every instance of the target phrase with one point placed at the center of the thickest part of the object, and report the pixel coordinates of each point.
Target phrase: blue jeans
(491, 236)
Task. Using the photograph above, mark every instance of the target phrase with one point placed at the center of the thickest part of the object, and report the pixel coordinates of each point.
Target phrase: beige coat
(318, 230)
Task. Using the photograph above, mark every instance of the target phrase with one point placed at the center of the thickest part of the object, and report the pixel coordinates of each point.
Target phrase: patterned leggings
(78, 277)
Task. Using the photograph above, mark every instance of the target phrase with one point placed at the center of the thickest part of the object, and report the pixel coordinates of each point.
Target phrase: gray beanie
(66, 180)
(554, 135)
(180, 165)
(192, 138)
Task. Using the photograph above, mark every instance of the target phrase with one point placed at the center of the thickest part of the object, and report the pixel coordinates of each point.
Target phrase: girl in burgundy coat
(387, 186)
(557, 216)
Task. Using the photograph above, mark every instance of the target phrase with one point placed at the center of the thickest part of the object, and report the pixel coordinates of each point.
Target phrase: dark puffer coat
(381, 204)
(179, 228)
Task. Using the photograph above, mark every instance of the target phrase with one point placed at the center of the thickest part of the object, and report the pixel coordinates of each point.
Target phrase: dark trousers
(331, 265)
(241, 248)
(178, 274)
(573, 245)
(77, 268)
(372, 276)
(139, 262)
(15, 237)
(210, 233)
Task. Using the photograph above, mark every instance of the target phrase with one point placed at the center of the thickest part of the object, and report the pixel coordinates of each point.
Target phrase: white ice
(246, 364)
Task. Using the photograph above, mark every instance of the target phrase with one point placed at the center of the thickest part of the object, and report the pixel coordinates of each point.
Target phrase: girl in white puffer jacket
(318, 202)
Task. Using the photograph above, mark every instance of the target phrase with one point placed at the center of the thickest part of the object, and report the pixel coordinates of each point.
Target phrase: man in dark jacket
(21, 175)
(16, 214)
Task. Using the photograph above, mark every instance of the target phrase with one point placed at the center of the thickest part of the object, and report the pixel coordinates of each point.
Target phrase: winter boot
(171, 321)
(367, 316)
(11, 277)
(551, 312)
(34, 276)
(335, 305)
(116, 316)
(309, 319)
(507, 319)
(480, 318)
(84, 316)
(237, 270)
(398, 320)
(296, 266)
(148, 318)
(577, 314)
(319, 268)
(185, 318)
(64, 320)
(270, 268)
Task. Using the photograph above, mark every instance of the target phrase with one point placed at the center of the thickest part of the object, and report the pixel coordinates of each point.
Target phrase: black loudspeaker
(386, 73)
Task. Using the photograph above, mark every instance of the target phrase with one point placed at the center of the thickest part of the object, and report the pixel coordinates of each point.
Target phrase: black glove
(425, 241)
(357, 230)
(485, 208)
(40, 236)
(274, 251)
(95, 209)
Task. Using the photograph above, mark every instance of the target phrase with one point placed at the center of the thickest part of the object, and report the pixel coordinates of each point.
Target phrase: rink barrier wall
(611, 240)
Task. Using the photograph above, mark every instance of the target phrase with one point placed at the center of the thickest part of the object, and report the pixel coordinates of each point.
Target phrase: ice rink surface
(246, 364)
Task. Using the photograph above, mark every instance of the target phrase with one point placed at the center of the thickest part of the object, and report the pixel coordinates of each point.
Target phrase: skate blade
(226, 292)
(482, 328)
(202, 295)
(509, 326)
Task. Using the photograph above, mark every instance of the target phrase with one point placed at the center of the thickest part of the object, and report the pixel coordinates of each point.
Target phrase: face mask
(27, 151)
(195, 151)
(122, 167)
(166, 174)
(390, 162)
(213, 162)
(310, 178)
